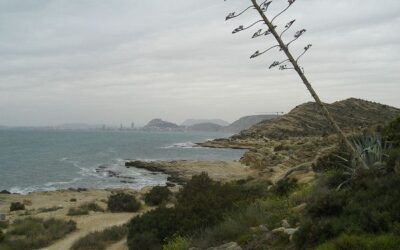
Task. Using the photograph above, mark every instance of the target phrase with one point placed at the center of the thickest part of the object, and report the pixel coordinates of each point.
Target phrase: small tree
(294, 61)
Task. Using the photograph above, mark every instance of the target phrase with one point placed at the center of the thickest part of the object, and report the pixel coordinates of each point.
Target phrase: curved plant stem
(297, 68)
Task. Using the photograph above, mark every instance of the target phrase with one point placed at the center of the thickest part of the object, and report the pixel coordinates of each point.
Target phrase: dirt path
(90, 224)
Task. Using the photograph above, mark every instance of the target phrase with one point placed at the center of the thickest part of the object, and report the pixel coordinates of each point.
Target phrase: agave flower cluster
(264, 6)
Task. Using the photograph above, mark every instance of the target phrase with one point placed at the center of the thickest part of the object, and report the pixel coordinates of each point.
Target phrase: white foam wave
(60, 183)
(112, 175)
(49, 186)
(188, 144)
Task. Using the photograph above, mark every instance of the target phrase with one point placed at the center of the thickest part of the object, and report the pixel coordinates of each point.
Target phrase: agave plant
(372, 150)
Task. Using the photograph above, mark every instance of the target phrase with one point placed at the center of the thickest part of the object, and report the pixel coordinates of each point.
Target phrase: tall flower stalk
(272, 29)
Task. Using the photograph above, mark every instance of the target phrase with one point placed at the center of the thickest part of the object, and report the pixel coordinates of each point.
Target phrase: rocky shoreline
(181, 171)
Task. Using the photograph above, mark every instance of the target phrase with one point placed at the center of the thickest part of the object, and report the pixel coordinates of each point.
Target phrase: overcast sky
(102, 61)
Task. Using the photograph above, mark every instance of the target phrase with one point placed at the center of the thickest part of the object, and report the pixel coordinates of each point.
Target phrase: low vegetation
(84, 209)
(122, 202)
(3, 224)
(177, 243)
(101, 239)
(1, 236)
(49, 209)
(201, 204)
(364, 242)
(15, 206)
(35, 233)
(157, 196)
(363, 213)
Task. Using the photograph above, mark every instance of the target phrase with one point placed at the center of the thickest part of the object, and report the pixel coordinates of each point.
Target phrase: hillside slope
(208, 126)
(247, 121)
(307, 120)
(191, 122)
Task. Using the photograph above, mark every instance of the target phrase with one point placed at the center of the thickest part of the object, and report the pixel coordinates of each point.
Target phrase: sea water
(45, 160)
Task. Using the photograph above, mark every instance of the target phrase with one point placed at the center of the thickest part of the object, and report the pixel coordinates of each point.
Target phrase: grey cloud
(117, 61)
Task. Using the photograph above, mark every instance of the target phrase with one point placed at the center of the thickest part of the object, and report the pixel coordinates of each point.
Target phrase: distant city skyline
(113, 62)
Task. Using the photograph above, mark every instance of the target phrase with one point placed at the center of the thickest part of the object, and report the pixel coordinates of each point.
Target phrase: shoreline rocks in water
(159, 167)
(181, 171)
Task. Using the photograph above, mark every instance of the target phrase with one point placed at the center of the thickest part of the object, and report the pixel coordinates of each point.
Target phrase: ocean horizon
(48, 160)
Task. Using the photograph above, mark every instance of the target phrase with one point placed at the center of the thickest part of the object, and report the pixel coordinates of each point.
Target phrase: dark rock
(170, 184)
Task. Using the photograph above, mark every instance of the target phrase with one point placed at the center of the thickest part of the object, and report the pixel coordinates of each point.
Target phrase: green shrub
(392, 132)
(157, 195)
(160, 224)
(369, 205)
(325, 202)
(363, 242)
(3, 224)
(84, 209)
(1, 236)
(393, 163)
(100, 240)
(91, 206)
(201, 203)
(34, 233)
(178, 243)
(77, 211)
(122, 202)
(284, 186)
(15, 206)
(144, 241)
(49, 209)
(235, 226)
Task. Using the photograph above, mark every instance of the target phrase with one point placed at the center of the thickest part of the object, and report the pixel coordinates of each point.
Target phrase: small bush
(122, 202)
(1, 236)
(284, 186)
(281, 147)
(49, 209)
(325, 202)
(392, 132)
(15, 206)
(144, 241)
(363, 242)
(100, 240)
(3, 224)
(77, 211)
(92, 207)
(157, 195)
(177, 243)
(84, 209)
(235, 226)
(35, 233)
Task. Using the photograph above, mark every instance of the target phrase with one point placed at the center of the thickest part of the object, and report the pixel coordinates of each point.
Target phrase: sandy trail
(88, 224)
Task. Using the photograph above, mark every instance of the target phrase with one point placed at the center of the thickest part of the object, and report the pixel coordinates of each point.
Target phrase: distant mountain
(307, 120)
(160, 125)
(208, 127)
(191, 122)
(248, 121)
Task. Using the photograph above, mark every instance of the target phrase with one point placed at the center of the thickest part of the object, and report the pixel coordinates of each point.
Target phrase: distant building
(132, 125)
